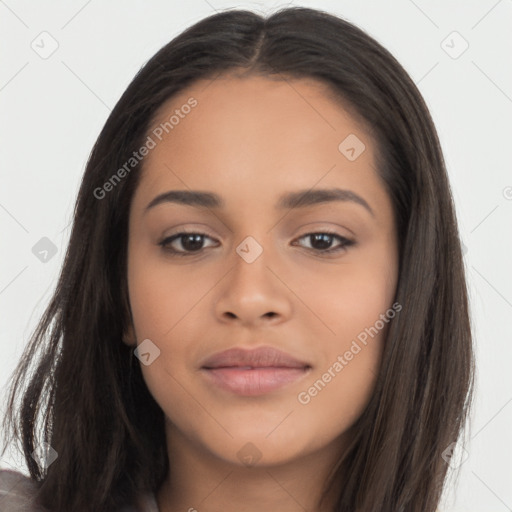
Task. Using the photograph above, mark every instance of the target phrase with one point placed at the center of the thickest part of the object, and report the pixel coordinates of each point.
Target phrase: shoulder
(17, 492)
(147, 503)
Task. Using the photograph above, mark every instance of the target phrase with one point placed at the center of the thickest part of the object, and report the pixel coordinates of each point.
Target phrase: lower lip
(256, 381)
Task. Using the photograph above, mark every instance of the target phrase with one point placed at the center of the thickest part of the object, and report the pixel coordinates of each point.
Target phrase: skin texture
(250, 140)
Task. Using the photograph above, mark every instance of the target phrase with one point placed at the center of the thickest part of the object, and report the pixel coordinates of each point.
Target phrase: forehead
(254, 135)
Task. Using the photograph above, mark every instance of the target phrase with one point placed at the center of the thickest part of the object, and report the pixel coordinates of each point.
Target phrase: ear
(129, 336)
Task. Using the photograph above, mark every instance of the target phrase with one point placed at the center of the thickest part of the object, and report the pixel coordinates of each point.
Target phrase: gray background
(54, 108)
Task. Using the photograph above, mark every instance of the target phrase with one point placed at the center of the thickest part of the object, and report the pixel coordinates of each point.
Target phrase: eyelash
(345, 242)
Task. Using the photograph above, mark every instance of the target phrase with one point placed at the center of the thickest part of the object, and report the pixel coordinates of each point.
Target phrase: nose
(254, 292)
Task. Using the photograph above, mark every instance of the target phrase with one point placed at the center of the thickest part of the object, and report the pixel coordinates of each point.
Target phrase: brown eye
(322, 241)
(190, 243)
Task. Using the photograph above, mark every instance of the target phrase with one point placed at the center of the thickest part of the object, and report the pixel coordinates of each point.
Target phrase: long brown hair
(76, 379)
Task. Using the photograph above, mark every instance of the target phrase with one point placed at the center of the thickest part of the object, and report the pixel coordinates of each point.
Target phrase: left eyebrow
(303, 198)
(297, 199)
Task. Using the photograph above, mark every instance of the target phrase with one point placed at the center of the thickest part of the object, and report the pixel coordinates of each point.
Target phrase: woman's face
(258, 276)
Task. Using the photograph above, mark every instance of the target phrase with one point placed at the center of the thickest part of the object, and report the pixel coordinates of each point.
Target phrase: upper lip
(257, 358)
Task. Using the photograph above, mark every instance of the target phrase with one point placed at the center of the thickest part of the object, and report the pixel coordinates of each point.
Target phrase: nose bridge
(252, 257)
(251, 248)
(254, 235)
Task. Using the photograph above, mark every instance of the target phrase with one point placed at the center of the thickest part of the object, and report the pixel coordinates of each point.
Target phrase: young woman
(263, 303)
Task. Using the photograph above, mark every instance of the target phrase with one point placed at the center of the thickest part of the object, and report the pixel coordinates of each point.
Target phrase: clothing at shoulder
(17, 493)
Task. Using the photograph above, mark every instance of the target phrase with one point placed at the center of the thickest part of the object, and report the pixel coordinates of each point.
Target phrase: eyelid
(343, 242)
(204, 232)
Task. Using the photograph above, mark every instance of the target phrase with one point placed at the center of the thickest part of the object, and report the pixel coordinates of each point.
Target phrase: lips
(254, 372)
(263, 357)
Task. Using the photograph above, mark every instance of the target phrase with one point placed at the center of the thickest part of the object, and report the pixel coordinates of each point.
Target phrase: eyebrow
(296, 199)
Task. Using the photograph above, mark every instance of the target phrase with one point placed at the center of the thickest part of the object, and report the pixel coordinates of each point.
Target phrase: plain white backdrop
(65, 65)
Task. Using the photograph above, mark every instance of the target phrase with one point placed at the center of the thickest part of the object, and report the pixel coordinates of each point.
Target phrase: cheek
(352, 300)
(335, 400)
(165, 304)
(162, 315)
(356, 306)
(162, 295)
(335, 396)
